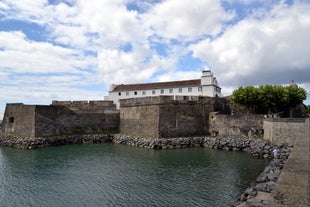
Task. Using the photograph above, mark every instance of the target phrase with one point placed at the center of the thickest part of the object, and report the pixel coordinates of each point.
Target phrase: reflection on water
(117, 175)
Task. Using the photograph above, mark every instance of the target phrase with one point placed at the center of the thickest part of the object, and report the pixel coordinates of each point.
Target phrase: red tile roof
(158, 85)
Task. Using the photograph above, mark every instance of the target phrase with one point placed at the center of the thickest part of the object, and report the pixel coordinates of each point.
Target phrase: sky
(74, 49)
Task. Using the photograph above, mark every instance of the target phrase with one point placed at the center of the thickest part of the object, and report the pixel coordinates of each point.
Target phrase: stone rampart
(87, 106)
(41, 120)
(236, 125)
(18, 119)
(284, 130)
(163, 116)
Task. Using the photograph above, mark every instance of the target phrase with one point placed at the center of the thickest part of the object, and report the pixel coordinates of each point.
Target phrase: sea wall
(284, 130)
(236, 125)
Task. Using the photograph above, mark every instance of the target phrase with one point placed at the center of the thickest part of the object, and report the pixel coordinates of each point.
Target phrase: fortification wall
(140, 120)
(18, 120)
(87, 106)
(183, 119)
(58, 120)
(284, 130)
(163, 116)
(236, 125)
(39, 120)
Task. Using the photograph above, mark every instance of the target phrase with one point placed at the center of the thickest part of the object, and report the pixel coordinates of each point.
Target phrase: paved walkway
(293, 186)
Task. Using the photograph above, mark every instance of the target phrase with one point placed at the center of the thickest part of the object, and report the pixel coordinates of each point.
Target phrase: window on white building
(199, 88)
(136, 92)
(162, 91)
(143, 92)
(153, 92)
(189, 89)
(119, 93)
(180, 90)
(127, 93)
(170, 90)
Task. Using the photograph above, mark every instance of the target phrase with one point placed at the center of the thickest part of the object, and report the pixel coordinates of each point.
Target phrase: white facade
(206, 86)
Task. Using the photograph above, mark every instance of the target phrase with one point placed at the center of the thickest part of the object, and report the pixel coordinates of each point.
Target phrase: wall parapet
(87, 106)
(158, 100)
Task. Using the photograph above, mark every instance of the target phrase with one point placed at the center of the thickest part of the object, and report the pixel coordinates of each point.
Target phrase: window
(180, 90)
(189, 89)
(162, 91)
(199, 88)
(170, 90)
(143, 92)
(136, 92)
(11, 120)
(119, 93)
(153, 92)
(127, 93)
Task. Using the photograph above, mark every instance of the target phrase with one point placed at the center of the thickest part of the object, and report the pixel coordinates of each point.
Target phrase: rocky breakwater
(38, 142)
(259, 193)
(256, 147)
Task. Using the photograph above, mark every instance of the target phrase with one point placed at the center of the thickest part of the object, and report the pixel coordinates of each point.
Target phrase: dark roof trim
(158, 85)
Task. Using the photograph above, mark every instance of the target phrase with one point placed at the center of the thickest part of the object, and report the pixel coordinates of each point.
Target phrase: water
(118, 175)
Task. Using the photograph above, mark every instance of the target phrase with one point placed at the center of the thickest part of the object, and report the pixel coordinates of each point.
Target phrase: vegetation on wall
(269, 98)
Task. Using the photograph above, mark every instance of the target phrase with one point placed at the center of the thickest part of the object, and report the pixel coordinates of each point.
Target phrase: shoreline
(257, 194)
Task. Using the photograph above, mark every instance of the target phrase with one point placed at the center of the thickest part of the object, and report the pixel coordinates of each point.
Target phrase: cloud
(189, 19)
(268, 47)
(130, 67)
(21, 55)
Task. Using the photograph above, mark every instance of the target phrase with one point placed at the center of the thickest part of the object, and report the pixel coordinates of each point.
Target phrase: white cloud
(19, 54)
(27, 10)
(130, 67)
(258, 50)
(189, 19)
(178, 75)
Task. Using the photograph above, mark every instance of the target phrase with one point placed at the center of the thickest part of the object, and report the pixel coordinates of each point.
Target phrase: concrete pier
(293, 186)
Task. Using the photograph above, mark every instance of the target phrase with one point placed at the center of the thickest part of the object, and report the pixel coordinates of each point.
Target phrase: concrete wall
(236, 125)
(283, 130)
(163, 117)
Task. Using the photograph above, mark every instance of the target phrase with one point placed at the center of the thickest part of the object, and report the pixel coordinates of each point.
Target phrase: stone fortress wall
(246, 125)
(284, 130)
(87, 106)
(167, 116)
(149, 117)
(60, 118)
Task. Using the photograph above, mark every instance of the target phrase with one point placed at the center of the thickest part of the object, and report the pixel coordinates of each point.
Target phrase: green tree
(293, 96)
(246, 96)
(269, 98)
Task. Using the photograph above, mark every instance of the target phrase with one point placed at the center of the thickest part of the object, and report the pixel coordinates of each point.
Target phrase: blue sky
(74, 49)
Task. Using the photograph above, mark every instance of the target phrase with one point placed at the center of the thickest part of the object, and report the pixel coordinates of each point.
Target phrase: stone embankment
(259, 193)
(256, 147)
(32, 143)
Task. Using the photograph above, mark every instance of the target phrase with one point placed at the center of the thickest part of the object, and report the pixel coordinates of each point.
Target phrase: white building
(206, 86)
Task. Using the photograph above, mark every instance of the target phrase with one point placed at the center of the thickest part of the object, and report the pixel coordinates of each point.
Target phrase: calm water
(118, 175)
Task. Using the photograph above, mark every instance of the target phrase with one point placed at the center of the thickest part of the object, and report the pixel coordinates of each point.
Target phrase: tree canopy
(269, 98)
